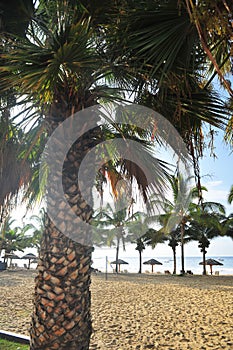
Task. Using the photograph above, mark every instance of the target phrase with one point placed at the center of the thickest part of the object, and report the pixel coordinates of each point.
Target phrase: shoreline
(137, 312)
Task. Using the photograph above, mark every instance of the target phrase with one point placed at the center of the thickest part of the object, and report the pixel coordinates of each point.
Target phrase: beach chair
(216, 273)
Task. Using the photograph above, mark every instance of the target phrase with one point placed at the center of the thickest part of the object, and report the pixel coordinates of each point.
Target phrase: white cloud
(216, 183)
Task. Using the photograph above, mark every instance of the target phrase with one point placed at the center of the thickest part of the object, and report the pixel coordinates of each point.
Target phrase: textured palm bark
(61, 317)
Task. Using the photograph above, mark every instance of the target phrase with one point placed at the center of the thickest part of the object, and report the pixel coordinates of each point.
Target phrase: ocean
(100, 255)
(191, 263)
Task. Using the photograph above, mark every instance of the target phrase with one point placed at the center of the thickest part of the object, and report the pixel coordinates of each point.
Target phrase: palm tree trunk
(174, 259)
(204, 265)
(117, 254)
(182, 248)
(61, 317)
(140, 261)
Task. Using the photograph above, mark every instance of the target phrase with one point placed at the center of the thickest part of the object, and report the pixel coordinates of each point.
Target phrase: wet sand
(139, 312)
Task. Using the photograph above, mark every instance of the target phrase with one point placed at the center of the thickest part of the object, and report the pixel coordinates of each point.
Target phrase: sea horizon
(191, 263)
(99, 257)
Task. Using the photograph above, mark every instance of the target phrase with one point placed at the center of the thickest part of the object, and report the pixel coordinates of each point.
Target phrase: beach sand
(139, 312)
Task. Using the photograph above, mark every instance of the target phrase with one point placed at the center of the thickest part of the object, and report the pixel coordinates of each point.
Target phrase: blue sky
(217, 173)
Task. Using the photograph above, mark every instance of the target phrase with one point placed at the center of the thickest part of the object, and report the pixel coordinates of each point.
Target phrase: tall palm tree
(173, 242)
(177, 212)
(61, 67)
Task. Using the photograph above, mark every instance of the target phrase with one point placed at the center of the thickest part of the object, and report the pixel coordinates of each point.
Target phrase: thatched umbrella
(29, 257)
(119, 262)
(10, 256)
(211, 262)
(152, 262)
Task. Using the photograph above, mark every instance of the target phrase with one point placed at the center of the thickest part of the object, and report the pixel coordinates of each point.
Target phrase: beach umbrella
(211, 262)
(29, 257)
(10, 256)
(119, 262)
(152, 262)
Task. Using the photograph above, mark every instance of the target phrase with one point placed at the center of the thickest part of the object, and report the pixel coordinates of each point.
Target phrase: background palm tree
(117, 220)
(173, 242)
(183, 215)
(176, 212)
(140, 246)
(13, 239)
(204, 227)
(35, 228)
(142, 233)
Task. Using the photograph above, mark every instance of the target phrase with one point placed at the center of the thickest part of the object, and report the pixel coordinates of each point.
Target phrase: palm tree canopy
(81, 59)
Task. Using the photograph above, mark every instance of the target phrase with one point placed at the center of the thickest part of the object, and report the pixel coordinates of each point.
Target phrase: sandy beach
(139, 312)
